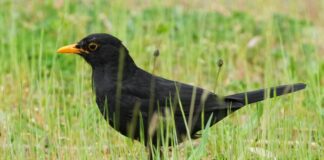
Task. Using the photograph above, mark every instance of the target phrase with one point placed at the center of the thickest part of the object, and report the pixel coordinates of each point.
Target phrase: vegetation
(48, 110)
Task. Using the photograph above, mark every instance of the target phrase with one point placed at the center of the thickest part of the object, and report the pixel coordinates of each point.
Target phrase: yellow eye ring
(93, 46)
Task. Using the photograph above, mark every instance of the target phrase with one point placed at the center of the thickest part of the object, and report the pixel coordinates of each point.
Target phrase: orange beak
(69, 49)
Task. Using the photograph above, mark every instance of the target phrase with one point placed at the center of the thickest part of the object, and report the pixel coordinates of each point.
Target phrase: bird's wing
(159, 93)
(190, 105)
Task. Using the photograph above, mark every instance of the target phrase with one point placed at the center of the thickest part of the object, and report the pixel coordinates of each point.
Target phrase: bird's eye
(93, 46)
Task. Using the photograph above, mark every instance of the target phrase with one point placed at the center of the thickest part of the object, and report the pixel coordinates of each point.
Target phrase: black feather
(241, 99)
(135, 95)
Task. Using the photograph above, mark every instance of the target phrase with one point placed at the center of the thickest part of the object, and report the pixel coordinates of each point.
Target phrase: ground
(48, 109)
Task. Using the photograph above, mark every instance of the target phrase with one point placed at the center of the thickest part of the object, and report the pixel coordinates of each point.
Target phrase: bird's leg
(150, 151)
(150, 156)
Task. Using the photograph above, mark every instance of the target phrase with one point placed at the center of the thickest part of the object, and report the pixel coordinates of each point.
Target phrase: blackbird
(137, 104)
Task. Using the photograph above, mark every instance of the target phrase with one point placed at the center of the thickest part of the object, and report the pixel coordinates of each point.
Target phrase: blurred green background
(47, 107)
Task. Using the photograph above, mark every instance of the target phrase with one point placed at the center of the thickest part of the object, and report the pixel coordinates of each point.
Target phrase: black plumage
(130, 98)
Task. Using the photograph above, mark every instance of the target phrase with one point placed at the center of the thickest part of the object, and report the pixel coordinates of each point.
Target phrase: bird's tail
(239, 100)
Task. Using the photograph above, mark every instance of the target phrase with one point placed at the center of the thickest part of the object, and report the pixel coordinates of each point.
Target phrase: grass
(48, 111)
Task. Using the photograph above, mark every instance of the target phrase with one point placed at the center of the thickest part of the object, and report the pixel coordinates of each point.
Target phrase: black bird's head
(99, 50)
